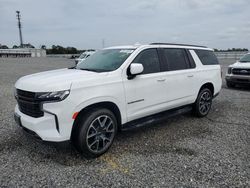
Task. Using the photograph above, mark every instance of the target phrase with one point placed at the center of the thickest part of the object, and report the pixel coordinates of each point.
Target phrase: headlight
(53, 96)
(229, 71)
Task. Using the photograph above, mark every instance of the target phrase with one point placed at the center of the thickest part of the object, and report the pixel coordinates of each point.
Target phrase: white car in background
(239, 72)
(84, 56)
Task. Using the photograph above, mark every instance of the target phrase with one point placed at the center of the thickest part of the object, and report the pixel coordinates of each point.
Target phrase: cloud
(84, 24)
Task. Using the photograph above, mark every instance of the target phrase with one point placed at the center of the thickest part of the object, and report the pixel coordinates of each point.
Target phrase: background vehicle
(239, 72)
(114, 89)
(84, 56)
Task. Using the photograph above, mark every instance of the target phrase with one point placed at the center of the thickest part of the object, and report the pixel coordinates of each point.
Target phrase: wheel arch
(104, 104)
(208, 85)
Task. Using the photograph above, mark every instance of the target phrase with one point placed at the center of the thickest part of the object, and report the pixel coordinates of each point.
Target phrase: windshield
(245, 58)
(105, 60)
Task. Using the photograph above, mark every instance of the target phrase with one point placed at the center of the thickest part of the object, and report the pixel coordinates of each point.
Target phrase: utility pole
(19, 26)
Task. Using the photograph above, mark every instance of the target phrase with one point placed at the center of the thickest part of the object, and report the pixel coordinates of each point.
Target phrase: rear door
(180, 76)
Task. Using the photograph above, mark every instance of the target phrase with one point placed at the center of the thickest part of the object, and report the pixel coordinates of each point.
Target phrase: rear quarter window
(207, 57)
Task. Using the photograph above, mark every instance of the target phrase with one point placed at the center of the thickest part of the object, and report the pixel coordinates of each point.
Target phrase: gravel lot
(182, 152)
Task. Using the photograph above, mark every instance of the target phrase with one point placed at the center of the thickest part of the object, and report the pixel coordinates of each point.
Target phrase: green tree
(57, 49)
(43, 47)
(4, 47)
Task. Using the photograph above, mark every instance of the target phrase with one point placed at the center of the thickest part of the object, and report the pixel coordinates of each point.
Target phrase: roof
(124, 47)
(174, 44)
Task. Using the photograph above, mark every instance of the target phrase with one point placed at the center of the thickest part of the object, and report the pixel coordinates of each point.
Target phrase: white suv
(113, 89)
(239, 72)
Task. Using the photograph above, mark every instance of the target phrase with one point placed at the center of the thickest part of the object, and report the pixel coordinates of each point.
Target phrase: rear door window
(176, 59)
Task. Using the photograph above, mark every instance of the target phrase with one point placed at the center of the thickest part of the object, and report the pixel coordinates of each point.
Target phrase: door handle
(161, 80)
(190, 76)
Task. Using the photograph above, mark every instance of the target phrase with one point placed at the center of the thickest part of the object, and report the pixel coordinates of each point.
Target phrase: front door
(145, 94)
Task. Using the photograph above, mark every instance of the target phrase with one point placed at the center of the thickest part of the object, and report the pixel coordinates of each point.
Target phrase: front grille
(28, 104)
(243, 80)
(245, 72)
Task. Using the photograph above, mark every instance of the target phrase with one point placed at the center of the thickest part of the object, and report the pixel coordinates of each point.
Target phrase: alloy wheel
(100, 133)
(205, 102)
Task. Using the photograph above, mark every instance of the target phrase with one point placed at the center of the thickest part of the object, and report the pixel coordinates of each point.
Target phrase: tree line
(15, 46)
(55, 49)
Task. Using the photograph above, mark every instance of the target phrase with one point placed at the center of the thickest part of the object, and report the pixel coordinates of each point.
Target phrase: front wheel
(203, 103)
(96, 133)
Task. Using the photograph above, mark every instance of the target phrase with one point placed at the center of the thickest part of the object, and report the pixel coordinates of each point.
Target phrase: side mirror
(135, 69)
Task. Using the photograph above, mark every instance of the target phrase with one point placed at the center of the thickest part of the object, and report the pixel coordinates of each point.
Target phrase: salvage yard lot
(182, 151)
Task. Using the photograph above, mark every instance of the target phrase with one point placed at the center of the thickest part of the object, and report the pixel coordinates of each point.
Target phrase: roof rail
(159, 43)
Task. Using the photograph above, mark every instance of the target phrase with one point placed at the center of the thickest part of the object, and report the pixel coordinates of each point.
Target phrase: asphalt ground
(183, 151)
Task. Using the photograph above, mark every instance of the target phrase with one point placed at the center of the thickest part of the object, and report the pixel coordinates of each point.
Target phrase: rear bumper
(44, 128)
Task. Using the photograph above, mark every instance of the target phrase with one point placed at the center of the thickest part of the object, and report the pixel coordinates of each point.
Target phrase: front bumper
(238, 79)
(44, 127)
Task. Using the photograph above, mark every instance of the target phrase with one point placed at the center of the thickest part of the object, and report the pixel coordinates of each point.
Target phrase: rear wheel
(203, 103)
(96, 133)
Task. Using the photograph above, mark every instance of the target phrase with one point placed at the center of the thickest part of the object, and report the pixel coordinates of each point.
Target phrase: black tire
(95, 134)
(203, 103)
(230, 84)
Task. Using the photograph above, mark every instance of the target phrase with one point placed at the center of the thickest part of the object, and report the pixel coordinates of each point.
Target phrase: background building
(23, 52)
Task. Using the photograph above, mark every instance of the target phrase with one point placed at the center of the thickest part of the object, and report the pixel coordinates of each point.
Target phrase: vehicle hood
(241, 65)
(55, 80)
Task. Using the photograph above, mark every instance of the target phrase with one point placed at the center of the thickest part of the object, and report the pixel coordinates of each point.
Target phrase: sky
(85, 24)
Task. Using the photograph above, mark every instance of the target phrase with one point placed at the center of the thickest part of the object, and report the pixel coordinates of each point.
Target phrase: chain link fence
(234, 55)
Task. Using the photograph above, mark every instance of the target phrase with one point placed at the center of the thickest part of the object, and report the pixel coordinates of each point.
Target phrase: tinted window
(207, 57)
(150, 61)
(176, 59)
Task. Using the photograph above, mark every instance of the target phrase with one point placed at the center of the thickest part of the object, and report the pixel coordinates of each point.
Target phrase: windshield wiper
(94, 70)
(91, 70)
(72, 67)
